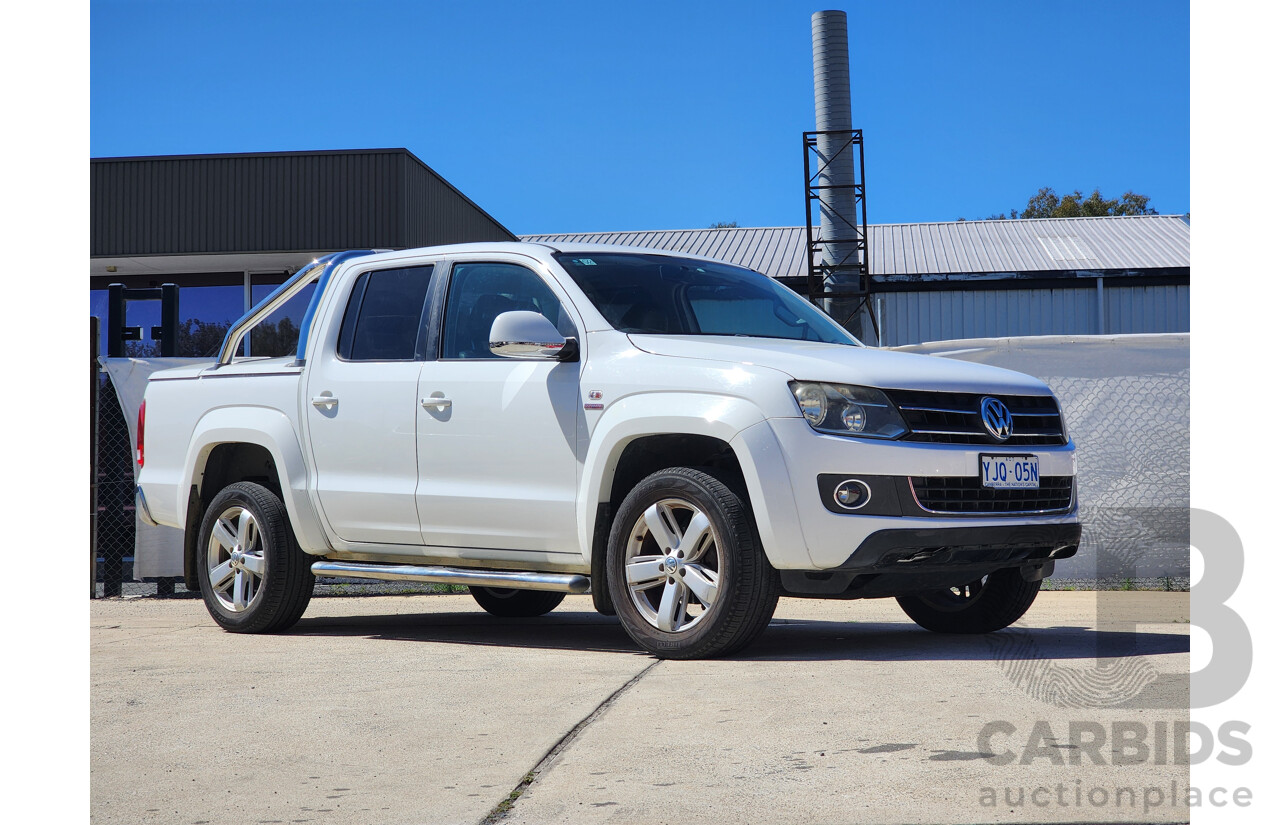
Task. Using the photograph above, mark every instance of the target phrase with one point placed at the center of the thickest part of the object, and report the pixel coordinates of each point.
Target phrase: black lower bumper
(899, 562)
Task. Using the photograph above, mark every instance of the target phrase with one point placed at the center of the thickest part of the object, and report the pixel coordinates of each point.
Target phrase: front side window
(384, 315)
(668, 295)
(480, 292)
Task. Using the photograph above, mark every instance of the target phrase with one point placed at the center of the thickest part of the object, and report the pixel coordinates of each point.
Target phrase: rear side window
(384, 315)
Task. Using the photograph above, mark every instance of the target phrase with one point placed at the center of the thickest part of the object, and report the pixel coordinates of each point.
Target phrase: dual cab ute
(684, 439)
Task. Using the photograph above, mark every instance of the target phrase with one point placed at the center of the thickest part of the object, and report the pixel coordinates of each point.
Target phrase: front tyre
(686, 571)
(510, 603)
(253, 576)
(984, 605)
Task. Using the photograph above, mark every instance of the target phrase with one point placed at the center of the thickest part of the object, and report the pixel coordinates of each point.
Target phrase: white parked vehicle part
(684, 439)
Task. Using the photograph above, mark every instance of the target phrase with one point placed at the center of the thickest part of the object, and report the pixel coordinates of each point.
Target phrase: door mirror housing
(523, 334)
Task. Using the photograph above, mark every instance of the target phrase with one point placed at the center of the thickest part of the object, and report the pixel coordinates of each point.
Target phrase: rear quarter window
(384, 315)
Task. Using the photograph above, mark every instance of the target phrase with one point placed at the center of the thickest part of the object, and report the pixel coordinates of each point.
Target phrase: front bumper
(830, 539)
(896, 562)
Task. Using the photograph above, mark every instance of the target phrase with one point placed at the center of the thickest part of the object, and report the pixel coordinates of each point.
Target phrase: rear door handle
(326, 401)
(437, 402)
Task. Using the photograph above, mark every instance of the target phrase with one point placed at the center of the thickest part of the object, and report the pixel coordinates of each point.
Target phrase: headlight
(812, 401)
(843, 409)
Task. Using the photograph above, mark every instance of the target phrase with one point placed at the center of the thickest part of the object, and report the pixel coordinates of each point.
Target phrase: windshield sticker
(584, 262)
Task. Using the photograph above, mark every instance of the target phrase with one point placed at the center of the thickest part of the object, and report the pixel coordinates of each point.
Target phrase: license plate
(1004, 472)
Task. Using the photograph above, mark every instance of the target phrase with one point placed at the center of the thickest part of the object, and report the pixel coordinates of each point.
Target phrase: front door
(361, 408)
(498, 464)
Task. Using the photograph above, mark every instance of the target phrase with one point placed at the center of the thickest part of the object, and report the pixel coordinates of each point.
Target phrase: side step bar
(518, 579)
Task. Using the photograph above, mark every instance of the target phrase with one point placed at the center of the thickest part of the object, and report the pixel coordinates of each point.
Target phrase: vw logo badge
(997, 418)
(670, 564)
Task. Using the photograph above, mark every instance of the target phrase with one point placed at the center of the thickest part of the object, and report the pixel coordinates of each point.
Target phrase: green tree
(275, 339)
(200, 339)
(203, 339)
(1047, 204)
(196, 339)
(724, 225)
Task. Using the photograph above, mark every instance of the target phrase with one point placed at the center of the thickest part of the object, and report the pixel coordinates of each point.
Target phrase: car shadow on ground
(809, 640)
(784, 640)
(557, 631)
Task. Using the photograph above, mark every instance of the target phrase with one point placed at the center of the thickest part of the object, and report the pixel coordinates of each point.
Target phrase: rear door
(362, 408)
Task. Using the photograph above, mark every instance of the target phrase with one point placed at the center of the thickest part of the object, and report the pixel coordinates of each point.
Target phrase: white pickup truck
(684, 439)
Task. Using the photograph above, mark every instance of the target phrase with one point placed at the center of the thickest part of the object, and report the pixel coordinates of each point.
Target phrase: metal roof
(273, 202)
(775, 251)
(957, 247)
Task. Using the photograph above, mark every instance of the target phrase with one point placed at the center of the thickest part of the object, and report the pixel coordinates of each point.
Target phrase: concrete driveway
(424, 709)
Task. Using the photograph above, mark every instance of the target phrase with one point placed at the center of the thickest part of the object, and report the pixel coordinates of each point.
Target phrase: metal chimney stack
(832, 110)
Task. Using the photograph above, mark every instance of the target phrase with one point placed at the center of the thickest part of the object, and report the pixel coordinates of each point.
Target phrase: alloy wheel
(236, 560)
(673, 563)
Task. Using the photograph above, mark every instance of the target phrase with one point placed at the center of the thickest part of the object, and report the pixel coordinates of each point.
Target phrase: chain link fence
(1127, 404)
(1134, 480)
(116, 522)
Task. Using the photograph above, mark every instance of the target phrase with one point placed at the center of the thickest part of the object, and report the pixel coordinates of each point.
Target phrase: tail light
(142, 428)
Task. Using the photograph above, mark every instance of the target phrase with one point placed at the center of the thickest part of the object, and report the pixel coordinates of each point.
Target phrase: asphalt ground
(424, 709)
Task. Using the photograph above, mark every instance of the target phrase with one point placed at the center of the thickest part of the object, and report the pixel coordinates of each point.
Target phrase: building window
(207, 306)
(205, 313)
(278, 334)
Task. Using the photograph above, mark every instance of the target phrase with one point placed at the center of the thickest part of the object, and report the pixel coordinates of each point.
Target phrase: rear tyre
(253, 576)
(987, 604)
(686, 571)
(510, 603)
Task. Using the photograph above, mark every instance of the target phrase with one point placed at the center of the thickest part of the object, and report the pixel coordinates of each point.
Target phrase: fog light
(852, 494)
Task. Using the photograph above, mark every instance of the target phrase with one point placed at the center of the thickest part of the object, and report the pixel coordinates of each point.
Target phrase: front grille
(965, 494)
(953, 418)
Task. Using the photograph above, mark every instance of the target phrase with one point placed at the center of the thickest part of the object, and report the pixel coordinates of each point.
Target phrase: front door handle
(328, 402)
(439, 402)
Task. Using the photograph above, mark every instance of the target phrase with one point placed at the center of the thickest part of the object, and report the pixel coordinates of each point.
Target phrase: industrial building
(980, 279)
(227, 229)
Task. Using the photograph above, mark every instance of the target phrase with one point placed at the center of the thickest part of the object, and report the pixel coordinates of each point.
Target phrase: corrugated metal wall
(275, 202)
(1148, 308)
(943, 315)
(435, 213)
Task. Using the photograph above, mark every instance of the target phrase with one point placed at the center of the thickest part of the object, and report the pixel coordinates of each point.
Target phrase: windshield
(666, 295)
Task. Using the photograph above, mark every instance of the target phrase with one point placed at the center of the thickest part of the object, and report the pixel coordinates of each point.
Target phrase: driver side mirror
(523, 334)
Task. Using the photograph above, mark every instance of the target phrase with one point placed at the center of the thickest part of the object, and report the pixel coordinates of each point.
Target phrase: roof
(957, 247)
(276, 202)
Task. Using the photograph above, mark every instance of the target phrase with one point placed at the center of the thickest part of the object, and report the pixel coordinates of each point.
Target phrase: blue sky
(585, 116)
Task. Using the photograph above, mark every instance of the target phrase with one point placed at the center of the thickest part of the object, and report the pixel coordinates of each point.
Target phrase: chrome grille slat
(939, 410)
(953, 418)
